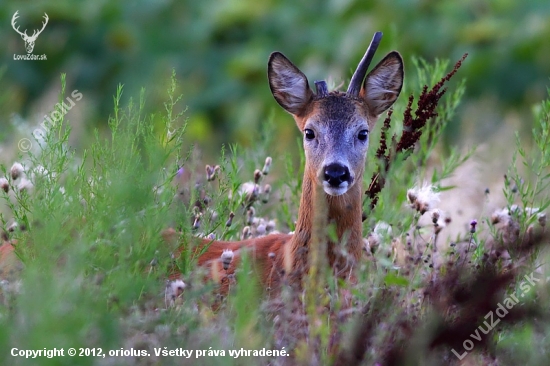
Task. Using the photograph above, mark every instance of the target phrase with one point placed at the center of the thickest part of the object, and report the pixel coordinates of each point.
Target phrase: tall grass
(91, 267)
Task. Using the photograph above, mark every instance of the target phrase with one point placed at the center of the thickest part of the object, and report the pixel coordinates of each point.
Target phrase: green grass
(92, 264)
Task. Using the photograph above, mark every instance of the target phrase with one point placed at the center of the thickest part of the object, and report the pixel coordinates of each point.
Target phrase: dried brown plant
(413, 127)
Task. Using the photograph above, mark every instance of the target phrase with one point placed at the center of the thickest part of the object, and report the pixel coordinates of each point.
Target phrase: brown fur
(269, 253)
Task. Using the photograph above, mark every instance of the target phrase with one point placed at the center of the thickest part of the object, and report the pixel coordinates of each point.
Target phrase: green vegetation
(88, 207)
(91, 263)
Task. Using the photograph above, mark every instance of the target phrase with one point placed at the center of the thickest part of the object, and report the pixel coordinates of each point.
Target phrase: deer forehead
(337, 113)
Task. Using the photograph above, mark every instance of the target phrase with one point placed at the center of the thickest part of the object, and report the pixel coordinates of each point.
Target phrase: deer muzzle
(336, 179)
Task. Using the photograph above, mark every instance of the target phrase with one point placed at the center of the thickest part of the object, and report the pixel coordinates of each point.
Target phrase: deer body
(336, 127)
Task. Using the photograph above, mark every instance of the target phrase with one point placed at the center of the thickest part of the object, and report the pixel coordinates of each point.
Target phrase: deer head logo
(29, 40)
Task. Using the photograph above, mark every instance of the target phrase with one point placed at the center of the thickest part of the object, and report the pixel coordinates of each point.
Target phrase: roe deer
(336, 127)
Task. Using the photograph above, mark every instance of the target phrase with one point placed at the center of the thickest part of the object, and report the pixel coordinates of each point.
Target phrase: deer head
(29, 40)
(336, 125)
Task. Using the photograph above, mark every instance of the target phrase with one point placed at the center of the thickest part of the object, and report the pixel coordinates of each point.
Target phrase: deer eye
(310, 135)
(363, 134)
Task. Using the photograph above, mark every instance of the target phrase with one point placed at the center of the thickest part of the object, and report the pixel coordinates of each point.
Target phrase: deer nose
(336, 174)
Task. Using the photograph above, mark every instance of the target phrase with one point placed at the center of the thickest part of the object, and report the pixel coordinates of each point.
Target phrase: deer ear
(383, 84)
(288, 84)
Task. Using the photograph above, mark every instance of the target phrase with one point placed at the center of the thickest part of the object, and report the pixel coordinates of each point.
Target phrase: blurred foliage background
(219, 50)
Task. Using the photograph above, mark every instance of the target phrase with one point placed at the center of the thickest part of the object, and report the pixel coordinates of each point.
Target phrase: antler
(13, 19)
(34, 35)
(24, 34)
(361, 71)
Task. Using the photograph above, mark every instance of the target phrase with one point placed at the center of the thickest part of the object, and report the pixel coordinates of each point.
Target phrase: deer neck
(344, 212)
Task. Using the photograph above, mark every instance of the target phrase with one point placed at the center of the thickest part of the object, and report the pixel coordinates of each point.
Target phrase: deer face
(335, 142)
(336, 125)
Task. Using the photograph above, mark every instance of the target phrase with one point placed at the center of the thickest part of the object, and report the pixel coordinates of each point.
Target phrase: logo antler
(29, 40)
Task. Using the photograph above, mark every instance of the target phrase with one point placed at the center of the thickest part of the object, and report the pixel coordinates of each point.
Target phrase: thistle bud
(211, 172)
(4, 185)
(500, 216)
(270, 225)
(250, 192)
(246, 233)
(423, 199)
(40, 171)
(227, 257)
(473, 224)
(16, 171)
(435, 216)
(260, 229)
(250, 215)
(197, 222)
(174, 289)
(25, 185)
(267, 166)
(13, 226)
(266, 192)
(230, 220)
(257, 176)
(411, 196)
